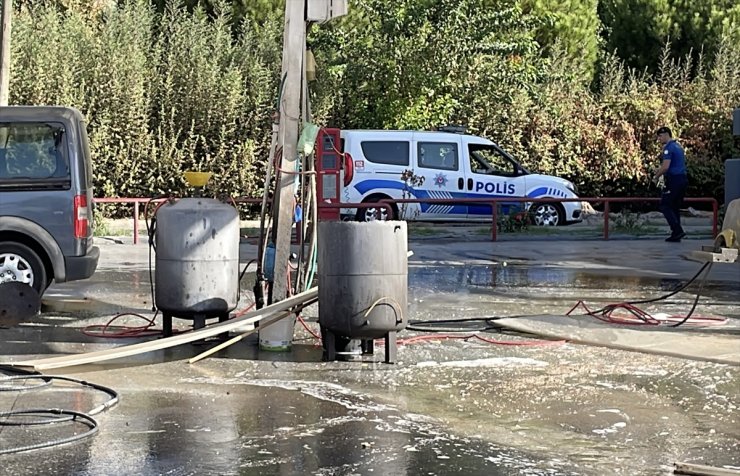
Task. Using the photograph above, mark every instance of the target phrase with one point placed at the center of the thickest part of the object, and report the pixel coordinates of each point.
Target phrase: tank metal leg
(199, 321)
(223, 318)
(368, 346)
(166, 325)
(391, 348)
(330, 345)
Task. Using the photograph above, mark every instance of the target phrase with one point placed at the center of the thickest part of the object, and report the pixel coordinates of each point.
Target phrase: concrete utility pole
(5, 52)
(294, 44)
(297, 13)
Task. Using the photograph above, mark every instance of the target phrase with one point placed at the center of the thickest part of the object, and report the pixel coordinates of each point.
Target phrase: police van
(446, 165)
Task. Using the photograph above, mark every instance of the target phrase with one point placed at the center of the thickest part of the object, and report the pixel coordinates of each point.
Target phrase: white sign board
(325, 10)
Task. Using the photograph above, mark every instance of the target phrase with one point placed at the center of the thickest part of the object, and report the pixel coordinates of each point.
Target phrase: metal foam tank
(197, 259)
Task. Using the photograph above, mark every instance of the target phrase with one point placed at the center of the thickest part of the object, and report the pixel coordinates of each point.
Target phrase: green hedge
(163, 93)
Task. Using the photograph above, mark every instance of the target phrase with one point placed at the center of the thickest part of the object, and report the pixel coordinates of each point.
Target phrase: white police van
(447, 165)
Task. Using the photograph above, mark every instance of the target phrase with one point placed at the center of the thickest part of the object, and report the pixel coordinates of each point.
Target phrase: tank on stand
(363, 285)
(197, 260)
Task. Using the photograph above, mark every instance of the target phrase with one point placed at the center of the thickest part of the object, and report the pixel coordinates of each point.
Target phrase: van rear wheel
(376, 214)
(20, 264)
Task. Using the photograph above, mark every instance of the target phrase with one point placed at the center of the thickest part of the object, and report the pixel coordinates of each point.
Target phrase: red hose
(638, 317)
(118, 332)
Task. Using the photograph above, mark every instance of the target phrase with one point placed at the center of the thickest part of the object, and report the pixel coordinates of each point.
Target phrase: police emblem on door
(440, 180)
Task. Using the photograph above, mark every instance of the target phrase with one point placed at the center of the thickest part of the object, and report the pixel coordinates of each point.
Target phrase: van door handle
(460, 183)
(470, 184)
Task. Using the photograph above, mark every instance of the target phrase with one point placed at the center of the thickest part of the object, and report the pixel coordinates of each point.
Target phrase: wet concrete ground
(448, 407)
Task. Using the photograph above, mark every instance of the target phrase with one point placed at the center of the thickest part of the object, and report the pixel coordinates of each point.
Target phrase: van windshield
(33, 152)
(490, 160)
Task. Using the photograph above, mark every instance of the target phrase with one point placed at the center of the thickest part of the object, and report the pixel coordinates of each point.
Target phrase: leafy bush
(514, 220)
(172, 89)
(627, 220)
(163, 93)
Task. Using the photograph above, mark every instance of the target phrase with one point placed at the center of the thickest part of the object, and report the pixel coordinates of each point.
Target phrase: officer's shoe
(676, 238)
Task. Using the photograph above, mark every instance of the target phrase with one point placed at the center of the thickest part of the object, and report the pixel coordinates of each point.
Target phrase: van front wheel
(19, 263)
(547, 214)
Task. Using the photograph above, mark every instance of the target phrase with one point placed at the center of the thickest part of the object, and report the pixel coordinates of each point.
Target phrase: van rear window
(386, 152)
(438, 155)
(33, 154)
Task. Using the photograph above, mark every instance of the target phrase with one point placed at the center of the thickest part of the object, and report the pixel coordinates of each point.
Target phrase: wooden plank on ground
(143, 347)
(727, 255)
(673, 342)
(266, 323)
(701, 470)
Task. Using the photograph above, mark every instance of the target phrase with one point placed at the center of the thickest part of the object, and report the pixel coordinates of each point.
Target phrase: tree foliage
(638, 29)
(163, 93)
(573, 25)
(412, 64)
(179, 88)
(255, 12)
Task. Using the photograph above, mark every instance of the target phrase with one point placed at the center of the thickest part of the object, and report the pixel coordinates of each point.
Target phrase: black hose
(698, 293)
(473, 324)
(676, 291)
(52, 415)
(244, 271)
(76, 416)
(438, 325)
(46, 382)
(664, 297)
(239, 281)
(151, 227)
(112, 401)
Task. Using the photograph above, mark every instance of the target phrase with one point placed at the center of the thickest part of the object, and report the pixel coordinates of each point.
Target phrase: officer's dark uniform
(676, 183)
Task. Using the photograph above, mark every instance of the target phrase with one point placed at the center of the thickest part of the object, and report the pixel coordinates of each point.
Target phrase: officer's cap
(663, 130)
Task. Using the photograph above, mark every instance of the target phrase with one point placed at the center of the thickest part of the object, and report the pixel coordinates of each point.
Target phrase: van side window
(386, 152)
(438, 155)
(32, 152)
(485, 159)
(479, 166)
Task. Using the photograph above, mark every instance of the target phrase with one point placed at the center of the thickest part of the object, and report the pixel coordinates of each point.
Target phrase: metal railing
(335, 206)
(136, 201)
(494, 202)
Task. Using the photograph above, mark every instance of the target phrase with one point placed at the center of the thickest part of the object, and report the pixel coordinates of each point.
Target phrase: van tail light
(81, 221)
(349, 169)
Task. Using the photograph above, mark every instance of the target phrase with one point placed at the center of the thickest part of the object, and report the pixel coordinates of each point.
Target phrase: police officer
(673, 169)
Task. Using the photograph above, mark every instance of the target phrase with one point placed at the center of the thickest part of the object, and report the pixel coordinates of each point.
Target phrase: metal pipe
(136, 222)
(5, 28)
(494, 216)
(263, 210)
(334, 206)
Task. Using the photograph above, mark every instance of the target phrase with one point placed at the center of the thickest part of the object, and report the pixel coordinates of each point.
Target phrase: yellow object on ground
(731, 226)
